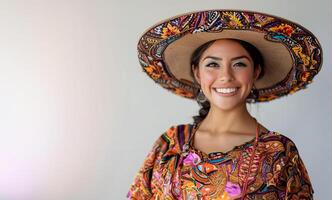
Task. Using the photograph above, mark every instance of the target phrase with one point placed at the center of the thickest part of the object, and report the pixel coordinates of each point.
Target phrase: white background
(78, 115)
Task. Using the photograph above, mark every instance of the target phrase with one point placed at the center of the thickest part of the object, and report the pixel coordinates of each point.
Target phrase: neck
(237, 120)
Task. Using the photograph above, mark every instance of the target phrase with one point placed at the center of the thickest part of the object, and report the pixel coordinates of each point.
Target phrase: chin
(226, 106)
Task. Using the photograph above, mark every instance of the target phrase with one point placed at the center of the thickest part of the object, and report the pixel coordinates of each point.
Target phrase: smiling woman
(225, 59)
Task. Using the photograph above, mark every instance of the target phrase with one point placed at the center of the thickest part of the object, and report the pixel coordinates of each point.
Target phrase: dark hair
(254, 54)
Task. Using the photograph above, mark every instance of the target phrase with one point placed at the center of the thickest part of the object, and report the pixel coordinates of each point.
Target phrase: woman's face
(226, 74)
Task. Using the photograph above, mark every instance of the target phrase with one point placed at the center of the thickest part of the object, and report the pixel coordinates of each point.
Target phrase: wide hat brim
(292, 54)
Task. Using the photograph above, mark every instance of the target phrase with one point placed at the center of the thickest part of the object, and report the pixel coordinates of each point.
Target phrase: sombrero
(292, 54)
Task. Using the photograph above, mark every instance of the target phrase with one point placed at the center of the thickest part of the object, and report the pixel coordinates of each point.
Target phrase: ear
(196, 73)
(257, 72)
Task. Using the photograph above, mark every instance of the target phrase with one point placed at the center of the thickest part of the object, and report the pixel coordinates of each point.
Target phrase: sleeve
(142, 186)
(298, 184)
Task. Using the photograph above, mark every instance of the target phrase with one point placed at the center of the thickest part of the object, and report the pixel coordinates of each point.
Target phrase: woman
(225, 59)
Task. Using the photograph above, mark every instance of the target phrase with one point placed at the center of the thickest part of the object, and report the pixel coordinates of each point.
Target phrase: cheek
(245, 77)
(207, 78)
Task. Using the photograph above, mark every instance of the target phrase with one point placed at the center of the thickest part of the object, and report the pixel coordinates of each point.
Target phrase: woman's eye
(212, 65)
(240, 64)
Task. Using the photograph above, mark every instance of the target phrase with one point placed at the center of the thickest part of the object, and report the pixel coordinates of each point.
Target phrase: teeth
(226, 90)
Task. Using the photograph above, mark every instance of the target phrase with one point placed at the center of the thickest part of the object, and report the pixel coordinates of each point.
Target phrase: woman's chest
(250, 174)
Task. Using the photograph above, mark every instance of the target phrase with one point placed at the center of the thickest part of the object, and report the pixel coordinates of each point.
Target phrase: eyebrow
(235, 58)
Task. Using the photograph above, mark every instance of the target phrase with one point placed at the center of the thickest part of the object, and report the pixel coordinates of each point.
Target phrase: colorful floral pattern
(303, 46)
(175, 170)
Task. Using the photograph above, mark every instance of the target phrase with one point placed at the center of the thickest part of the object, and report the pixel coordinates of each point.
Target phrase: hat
(292, 54)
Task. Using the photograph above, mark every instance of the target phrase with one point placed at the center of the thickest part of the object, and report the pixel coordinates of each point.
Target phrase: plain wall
(78, 115)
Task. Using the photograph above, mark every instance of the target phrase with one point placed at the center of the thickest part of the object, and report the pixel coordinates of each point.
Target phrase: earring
(254, 92)
(200, 96)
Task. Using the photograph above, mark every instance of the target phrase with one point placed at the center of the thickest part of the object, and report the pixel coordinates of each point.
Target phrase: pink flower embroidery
(233, 189)
(129, 194)
(192, 159)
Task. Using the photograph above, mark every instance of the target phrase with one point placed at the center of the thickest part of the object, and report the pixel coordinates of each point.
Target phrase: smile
(226, 90)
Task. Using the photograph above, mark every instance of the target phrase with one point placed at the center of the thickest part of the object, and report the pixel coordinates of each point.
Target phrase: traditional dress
(175, 169)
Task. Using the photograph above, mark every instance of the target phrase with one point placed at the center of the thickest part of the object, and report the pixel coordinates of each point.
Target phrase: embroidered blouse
(175, 169)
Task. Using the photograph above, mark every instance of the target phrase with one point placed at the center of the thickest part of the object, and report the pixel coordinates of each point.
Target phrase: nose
(226, 74)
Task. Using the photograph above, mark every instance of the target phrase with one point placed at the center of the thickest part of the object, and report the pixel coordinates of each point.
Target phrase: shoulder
(281, 148)
(279, 141)
(176, 135)
(179, 131)
(173, 138)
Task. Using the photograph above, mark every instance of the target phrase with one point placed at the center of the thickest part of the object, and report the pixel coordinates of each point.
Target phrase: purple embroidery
(192, 159)
(232, 189)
